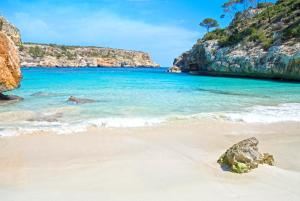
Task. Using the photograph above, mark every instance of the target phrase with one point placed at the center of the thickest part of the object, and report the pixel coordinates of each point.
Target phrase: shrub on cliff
(269, 23)
(36, 51)
(292, 32)
(257, 35)
(217, 34)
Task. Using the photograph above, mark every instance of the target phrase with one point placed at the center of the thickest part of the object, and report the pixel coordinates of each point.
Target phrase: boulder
(76, 100)
(174, 69)
(244, 156)
(10, 74)
(8, 99)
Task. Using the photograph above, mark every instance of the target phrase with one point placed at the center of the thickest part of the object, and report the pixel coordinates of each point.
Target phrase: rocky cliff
(10, 74)
(259, 43)
(42, 55)
(10, 30)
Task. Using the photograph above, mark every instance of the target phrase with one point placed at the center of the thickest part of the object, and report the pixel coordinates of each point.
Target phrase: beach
(117, 101)
(171, 161)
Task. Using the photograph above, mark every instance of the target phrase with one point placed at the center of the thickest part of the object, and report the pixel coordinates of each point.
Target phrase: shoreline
(174, 161)
(28, 122)
(76, 67)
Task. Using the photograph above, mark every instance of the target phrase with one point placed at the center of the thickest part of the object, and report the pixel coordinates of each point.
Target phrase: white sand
(171, 162)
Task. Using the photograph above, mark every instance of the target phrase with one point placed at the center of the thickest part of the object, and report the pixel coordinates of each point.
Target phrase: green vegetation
(70, 55)
(271, 23)
(292, 32)
(240, 168)
(264, 5)
(36, 51)
(257, 35)
(217, 34)
(209, 23)
(21, 47)
(231, 7)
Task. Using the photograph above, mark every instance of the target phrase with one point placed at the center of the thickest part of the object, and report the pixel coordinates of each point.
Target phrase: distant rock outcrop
(257, 43)
(42, 55)
(244, 156)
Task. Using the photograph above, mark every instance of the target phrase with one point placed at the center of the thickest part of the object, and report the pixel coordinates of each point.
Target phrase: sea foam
(256, 114)
(265, 114)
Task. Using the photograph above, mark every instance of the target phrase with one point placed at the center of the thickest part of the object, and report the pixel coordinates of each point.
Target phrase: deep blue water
(138, 96)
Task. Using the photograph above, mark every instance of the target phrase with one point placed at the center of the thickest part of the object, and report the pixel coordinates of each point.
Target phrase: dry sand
(175, 161)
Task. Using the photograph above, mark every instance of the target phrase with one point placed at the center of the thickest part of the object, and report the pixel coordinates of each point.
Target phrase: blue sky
(164, 28)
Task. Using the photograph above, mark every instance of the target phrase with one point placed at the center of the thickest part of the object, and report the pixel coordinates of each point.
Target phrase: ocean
(136, 97)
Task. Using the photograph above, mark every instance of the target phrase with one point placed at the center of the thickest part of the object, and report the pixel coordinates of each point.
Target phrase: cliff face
(259, 43)
(34, 55)
(10, 30)
(41, 55)
(10, 74)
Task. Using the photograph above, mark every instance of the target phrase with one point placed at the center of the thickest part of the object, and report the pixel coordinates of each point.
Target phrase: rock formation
(76, 100)
(244, 156)
(10, 74)
(252, 46)
(42, 55)
(8, 99)
(10, 30)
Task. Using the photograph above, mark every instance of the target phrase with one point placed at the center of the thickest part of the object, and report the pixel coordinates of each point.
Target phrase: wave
(256, 114)
(77, 127)
(265, 114)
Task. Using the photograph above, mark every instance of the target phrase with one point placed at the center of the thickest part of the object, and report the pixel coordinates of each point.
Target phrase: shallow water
(129, 97)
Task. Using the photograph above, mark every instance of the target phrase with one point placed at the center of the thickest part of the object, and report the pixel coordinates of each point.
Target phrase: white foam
(255, 114)
(125, 122)
(76, 127)
(266, 114)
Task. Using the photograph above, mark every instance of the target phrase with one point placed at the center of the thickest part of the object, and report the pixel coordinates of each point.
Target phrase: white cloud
(164, 42)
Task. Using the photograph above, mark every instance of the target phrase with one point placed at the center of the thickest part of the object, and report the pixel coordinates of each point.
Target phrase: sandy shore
(175, 161)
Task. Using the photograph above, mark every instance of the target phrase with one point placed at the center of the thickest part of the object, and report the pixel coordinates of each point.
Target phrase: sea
(138, 97)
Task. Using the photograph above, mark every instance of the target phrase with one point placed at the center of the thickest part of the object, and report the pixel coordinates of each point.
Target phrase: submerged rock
(40, 94)
(46, 94)
(76, 100)
(47, 117)
(244, 156)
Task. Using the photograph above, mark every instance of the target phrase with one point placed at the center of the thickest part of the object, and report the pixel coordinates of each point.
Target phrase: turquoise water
(138, 97)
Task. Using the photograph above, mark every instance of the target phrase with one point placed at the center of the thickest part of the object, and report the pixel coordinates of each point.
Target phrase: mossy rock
(240, 168)
(244, 156)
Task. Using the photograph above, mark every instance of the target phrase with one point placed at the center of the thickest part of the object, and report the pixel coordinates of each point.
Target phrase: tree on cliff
(209, 23)
(232, 6)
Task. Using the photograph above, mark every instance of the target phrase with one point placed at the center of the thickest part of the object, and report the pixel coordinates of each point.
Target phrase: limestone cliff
(259, 43)
(42, 55)
(10, 74)
(10, 30)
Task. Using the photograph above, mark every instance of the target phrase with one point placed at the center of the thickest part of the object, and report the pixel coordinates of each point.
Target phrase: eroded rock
(10, 30)
(10, 74)
(244, 156)
(76, 100)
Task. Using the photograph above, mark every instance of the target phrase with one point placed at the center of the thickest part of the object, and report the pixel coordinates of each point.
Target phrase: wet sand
(171, 162)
